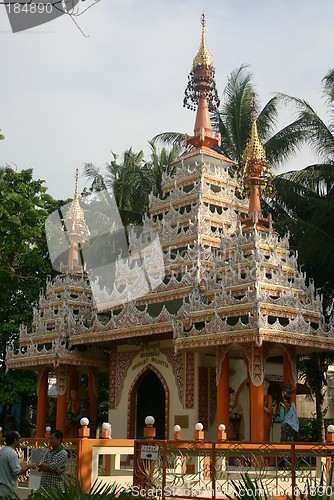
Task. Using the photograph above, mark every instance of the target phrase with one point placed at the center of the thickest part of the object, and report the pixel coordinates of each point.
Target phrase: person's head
(56, 438)
(73, 394)
(12, 438)
(287, 392)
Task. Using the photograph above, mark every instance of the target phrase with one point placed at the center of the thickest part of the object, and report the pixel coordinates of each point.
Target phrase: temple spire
(76, 230)
(201, 94)
(76, 191)
(256, 175)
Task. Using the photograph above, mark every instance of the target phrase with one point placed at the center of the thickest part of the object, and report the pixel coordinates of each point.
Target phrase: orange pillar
(74, 380)
(92, 398)
(288, 377)
(85, 459)
(42, 403)
(256, 412)
(61, 412)
(223, 394)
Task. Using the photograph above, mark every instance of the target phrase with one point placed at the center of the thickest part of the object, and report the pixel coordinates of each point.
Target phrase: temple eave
(122, 333)
(29, 362)
(303, 342)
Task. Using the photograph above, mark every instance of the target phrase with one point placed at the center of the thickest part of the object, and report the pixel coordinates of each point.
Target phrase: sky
(67, 99)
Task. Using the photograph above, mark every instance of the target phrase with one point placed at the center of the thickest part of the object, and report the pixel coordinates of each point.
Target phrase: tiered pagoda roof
(66, 303)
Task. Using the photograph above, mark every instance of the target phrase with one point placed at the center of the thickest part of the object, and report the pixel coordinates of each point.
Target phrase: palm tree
(133, 179)
(304, 205)
(312, 370)
(305, 209)
(319, 136)
(161, 162)
(127, 181)
(304, 200)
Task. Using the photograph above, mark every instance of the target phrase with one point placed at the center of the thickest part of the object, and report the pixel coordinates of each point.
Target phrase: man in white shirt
(10, 467)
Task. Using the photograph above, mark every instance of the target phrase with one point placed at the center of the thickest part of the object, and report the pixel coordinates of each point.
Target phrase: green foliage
(303, 205)
(24, 266)
(304, 200)
(74, 490)
(249, 488)
(308, 430)
(131, 179)
(17, 384)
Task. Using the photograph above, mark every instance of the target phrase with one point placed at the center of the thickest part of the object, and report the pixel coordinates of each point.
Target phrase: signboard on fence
(149, 452)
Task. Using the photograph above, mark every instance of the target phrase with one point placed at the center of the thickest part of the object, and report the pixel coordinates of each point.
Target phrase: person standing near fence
(10, 467)
(288, 417)
(54, 463)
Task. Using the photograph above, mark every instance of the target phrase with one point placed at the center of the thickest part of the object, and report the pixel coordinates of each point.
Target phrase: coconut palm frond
(267, 118)
(174, 139)
(328, 90)
(284, 144)
(318, 135)
(236, 111)
(94, 175)
(318, 177)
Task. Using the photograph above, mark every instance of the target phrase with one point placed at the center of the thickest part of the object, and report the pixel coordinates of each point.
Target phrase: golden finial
(254, 149)
(203, 56)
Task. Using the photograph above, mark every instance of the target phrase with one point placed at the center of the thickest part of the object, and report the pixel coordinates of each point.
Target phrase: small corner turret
(257, 177)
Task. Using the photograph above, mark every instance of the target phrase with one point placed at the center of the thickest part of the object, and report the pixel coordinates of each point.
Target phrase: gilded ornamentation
(61, 378)
(119, 365)
(177, 362)
(190, 380)
(255, 361)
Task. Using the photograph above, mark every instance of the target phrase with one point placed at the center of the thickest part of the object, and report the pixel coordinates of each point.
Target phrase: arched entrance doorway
(148, 396)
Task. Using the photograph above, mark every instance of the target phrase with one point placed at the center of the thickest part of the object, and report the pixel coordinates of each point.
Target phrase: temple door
(150, 399)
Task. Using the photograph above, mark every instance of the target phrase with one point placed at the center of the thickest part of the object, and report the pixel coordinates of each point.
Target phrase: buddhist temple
(231, 307)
